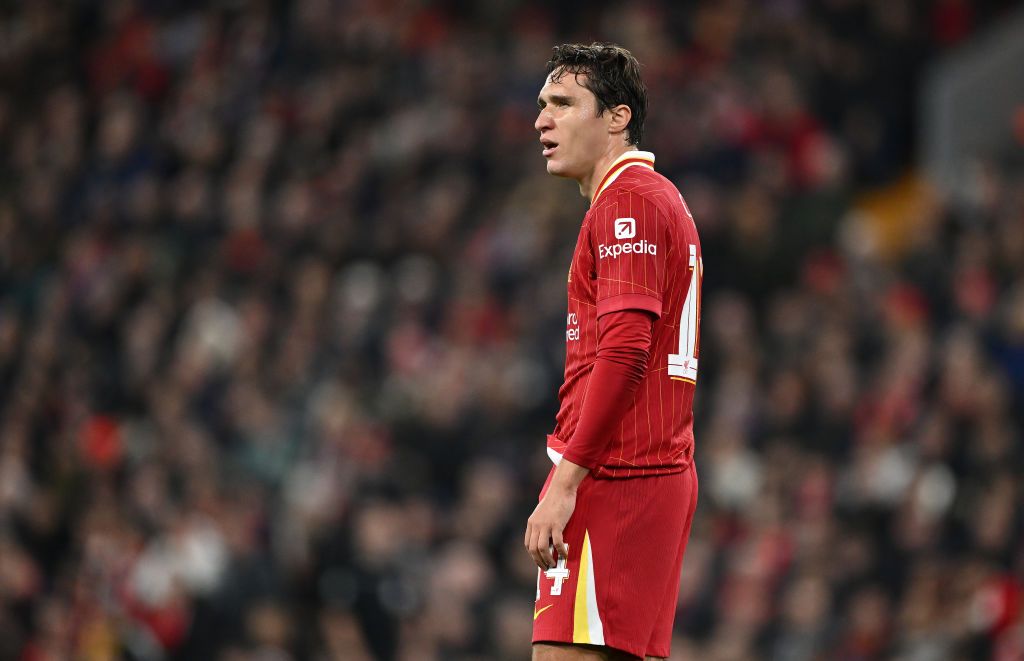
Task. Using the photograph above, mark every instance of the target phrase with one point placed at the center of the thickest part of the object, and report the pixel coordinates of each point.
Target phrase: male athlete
(610, 530)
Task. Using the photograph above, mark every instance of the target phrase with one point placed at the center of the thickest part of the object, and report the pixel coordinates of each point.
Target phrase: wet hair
(611, 73)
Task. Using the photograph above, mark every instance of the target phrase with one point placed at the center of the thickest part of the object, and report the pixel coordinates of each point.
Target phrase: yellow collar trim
(619, 165)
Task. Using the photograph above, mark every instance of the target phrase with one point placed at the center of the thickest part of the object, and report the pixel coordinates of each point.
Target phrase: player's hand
(544, 527)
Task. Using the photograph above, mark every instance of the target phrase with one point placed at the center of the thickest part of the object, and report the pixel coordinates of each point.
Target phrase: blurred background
(282, 288)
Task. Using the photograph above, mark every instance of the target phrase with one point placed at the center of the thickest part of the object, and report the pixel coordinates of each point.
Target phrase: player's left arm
(623, 351)
(629, 238)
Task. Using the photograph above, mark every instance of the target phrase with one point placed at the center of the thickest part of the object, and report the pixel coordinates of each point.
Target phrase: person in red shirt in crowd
(610, 531)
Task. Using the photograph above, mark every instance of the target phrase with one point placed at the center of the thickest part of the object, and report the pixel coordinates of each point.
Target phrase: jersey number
(558, 573)
(683, 365)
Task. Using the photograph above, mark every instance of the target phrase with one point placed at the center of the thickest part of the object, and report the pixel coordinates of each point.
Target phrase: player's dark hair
(611, 73)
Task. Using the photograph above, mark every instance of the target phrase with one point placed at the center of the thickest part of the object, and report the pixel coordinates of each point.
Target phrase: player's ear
(619, 118)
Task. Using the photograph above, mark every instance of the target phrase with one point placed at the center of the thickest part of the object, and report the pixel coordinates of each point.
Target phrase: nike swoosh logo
(536, 614)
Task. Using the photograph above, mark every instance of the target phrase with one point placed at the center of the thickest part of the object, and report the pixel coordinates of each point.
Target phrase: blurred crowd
(282, 288)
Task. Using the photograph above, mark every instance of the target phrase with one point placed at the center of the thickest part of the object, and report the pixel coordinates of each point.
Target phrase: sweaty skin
(578, 143)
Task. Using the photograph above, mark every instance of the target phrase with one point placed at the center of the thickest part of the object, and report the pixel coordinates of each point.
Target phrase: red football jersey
(637, 249)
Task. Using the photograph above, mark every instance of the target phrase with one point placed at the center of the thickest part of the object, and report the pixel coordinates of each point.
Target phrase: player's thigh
(570, 652)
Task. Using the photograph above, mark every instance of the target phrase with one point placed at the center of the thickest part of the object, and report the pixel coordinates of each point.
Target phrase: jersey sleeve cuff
(619, 302)
(580, 459)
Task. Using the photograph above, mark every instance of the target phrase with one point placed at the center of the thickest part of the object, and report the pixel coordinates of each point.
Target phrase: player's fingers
(533, 548)
(537, 545)
(559, 544)
(545, 547)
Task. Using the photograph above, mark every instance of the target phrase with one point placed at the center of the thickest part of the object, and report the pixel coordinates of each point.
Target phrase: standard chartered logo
(572, 327)
(642, 247)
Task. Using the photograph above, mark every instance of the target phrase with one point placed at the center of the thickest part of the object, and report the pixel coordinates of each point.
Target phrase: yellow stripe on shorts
(586, 624)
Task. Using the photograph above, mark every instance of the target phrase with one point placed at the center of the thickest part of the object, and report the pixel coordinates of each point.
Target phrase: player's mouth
(549, 147)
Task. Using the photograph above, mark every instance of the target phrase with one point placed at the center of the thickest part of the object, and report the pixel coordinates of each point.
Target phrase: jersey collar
(619, 165)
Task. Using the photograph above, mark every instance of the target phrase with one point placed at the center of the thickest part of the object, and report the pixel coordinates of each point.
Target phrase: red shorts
(620, 583)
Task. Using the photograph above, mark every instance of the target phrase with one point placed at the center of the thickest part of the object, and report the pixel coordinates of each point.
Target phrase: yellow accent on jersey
(641, 158)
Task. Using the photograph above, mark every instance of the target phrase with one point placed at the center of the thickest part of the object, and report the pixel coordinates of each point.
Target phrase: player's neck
(588, 186)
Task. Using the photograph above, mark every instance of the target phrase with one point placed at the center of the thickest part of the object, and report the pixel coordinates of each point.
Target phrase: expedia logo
(640, 248)
(625, 228)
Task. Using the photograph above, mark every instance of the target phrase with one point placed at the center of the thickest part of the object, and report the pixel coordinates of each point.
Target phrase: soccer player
(610, 530)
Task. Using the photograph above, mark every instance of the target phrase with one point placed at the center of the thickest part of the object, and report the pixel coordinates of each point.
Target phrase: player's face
(572, 135)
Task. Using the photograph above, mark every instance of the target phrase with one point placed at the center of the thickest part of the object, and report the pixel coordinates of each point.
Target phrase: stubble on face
(569, 121)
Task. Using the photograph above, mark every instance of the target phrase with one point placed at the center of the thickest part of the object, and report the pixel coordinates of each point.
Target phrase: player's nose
(544, 121)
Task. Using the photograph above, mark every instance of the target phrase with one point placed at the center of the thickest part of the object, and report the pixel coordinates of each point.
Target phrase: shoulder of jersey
(648, 184)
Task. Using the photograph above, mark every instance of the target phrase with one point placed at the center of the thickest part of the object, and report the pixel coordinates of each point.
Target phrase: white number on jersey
(559, 573)
(683, 365)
